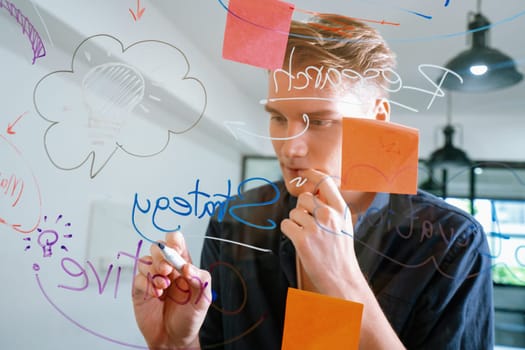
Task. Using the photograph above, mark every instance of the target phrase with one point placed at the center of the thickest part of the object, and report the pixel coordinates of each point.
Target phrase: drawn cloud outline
(91, 156)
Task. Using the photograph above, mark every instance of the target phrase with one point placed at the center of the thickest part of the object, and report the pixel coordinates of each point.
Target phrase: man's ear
(382, 109)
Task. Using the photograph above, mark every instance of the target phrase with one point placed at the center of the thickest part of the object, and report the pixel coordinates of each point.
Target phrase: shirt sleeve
(457, 309)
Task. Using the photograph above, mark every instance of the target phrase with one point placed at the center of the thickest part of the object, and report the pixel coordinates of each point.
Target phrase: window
(504, 225)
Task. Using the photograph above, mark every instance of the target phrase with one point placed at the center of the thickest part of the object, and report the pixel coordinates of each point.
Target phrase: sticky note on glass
(315, 321)
(257, 32)
(379, 156)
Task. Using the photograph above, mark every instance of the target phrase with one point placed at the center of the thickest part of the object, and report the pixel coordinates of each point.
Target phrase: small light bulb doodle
(46, 240)
(48, 237)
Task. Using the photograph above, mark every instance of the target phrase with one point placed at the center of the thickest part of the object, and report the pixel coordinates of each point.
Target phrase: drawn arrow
(10, 126)
(140, 11)
(235, 126)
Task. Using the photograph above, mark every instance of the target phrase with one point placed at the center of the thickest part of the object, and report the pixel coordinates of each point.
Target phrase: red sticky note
(315, 321)
(379, 156)
(257, 32)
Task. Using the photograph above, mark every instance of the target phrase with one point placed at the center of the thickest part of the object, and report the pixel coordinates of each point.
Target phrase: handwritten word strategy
(27, 28)
(334, 78)
(201, 204)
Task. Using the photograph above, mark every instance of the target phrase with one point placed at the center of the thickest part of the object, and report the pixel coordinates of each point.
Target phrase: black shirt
(427, 262)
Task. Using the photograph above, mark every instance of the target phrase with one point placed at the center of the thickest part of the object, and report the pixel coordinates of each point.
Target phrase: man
(420, 267)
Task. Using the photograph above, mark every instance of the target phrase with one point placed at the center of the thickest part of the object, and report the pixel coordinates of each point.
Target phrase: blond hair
(340, 42)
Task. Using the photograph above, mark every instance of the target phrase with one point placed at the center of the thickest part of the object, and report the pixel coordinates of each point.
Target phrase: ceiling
(428, 33)
(417, 40)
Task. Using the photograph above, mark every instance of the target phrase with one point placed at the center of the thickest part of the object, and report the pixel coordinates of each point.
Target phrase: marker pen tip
(160, 245)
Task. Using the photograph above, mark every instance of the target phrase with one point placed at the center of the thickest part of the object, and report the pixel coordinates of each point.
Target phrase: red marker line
(140, 11)
(10, 126)
(359, 19)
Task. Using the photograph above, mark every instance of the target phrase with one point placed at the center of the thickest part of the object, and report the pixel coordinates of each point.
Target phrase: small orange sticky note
(257, 32)
(379, 156)
(315, 321)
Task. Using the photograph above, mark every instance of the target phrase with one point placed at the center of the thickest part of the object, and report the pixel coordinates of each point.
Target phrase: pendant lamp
(448, 156)
(482, 68)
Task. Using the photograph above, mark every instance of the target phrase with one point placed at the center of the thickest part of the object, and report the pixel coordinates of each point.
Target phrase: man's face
(319, 147)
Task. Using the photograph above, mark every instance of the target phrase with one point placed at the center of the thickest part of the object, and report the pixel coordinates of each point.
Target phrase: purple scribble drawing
(49, 237)
(27, 28)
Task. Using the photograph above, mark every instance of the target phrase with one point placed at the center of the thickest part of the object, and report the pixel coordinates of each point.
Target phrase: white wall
(46, 316)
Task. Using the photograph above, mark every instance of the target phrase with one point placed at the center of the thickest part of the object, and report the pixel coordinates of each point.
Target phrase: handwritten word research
(335, 78)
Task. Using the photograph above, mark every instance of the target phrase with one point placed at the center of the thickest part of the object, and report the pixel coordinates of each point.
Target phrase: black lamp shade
(448, 156)
(501, 71)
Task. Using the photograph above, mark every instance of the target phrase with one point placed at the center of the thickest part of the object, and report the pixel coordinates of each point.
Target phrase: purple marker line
(27, 239)
(68, 235)
(68, 224)
(27, 247)
(27, 28)
(58, 218)
(45, 218)
(64, 248)
(80, 325)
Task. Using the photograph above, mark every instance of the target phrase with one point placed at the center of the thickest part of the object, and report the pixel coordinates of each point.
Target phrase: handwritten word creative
(199, 204)
(83, 279)
(75, 269)
(27, 28)
(334, 78)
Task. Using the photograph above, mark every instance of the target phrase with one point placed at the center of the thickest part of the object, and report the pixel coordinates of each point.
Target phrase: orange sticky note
(257, 32)
(379, 156)
(315, 321)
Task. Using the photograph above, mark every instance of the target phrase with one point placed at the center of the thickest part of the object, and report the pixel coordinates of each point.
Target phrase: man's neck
(358, 202)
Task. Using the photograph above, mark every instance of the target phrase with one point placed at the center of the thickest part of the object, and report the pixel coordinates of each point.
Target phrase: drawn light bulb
(46, 239)
(111, 91)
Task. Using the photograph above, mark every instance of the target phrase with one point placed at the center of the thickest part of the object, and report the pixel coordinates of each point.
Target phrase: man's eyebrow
(315, 114)
(270, 109)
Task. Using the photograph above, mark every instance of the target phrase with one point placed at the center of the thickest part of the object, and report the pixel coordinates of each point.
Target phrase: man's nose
(296, 142)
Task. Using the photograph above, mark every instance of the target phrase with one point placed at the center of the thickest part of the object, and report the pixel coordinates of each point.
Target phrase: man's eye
(278, 119)
(321, 122)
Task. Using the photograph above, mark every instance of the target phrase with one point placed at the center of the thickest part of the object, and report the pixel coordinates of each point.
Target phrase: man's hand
(320, 227)
(169, 306)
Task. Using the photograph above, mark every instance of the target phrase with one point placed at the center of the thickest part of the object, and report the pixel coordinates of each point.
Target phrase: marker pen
(172, 256)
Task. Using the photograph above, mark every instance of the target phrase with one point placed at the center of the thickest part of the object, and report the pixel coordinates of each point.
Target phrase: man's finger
(176, 241)
(325, 188)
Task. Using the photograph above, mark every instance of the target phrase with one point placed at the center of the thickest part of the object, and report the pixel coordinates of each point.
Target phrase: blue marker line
(417, 13)
(400, 8)
(391, 40)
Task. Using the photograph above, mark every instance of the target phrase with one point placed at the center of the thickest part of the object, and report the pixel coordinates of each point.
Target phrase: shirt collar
(379, 203)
